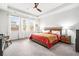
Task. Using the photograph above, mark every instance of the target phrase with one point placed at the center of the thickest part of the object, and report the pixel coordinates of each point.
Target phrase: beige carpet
(30, 48)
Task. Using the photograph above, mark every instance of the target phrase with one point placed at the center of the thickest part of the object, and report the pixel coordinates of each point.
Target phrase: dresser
(1, 53)
(77, 41)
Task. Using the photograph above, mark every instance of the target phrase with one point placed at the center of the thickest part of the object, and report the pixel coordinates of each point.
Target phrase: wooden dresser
(77, 41)
(1, 53)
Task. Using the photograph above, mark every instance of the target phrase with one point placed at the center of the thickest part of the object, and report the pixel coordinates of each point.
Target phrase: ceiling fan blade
(36, 5)
(39, 10)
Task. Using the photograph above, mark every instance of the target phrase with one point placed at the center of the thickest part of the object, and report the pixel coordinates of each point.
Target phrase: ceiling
(28, 7)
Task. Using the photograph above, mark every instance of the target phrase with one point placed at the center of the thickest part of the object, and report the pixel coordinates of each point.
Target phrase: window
(15, 21)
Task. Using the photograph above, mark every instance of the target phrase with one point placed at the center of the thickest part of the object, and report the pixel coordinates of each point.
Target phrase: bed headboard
(54, 29)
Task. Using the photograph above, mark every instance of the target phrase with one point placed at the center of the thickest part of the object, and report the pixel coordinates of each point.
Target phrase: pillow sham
(56, 32)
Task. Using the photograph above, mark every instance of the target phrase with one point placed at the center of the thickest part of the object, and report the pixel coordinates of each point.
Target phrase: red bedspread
(46, 39)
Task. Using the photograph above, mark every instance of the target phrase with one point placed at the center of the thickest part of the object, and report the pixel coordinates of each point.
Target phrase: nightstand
(66, 39)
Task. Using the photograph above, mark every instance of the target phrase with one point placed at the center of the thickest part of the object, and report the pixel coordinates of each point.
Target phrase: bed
(47, 39)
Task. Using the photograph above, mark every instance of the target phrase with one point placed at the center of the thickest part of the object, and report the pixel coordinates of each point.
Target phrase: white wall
(65, 19)
(5, 25)
(3, 22)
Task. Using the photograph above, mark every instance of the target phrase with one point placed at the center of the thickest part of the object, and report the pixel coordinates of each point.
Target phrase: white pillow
(56, 32)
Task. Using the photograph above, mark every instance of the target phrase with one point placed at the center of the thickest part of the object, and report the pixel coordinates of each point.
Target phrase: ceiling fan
(36, 7)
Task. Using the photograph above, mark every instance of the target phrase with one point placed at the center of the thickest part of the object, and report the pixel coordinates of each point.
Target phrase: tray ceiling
(28, 7)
